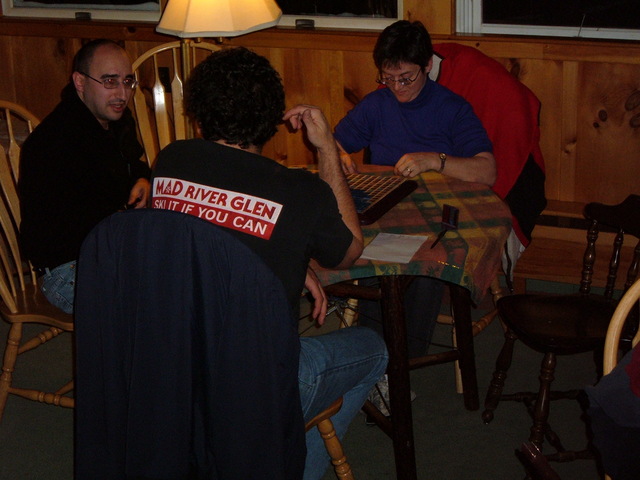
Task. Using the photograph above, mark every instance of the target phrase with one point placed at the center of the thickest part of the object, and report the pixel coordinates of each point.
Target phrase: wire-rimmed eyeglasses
(402, 81)
(111, 82)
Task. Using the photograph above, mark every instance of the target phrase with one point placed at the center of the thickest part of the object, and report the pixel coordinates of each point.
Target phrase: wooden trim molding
(608, 51)
(61, 28)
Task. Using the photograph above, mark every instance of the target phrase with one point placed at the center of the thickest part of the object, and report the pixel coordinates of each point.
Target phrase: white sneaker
(379, 395)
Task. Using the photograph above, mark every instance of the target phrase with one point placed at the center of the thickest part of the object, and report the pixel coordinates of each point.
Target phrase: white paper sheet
(392, 247)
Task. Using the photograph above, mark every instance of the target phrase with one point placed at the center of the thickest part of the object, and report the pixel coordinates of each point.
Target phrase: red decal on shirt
(238, 211)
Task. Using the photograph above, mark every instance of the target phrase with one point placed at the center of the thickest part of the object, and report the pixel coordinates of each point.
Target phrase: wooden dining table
(466, 258)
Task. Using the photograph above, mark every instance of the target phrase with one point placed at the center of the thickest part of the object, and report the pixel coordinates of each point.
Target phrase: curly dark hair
(235, 95)
(403, 41)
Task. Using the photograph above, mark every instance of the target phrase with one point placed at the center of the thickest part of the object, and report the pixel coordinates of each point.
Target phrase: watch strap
(443, 161)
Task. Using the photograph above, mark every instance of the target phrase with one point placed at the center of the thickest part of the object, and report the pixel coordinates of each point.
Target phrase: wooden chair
(531, 453)
(558, 325)
(616, 327)
(157, 102)
(323, 422)
(16, 123)
(22, 301)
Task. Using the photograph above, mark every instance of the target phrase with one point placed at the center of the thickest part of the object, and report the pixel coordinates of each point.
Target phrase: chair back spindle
(158, 100)
(625, 220)
(180, 121)
(614, 264)
(160, 106)
(634, 268)
(589, 259)
(16, 122)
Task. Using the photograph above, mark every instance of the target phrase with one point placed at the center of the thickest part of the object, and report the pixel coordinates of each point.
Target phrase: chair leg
(499, 375)
(350, 315)
(334, 448)
(534, 458)
(10, 355)
(477, 327)
(68, 387)
(541, 409)
(40, 339)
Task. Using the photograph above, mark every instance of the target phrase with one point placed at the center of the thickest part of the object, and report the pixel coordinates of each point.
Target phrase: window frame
(469, 21)
(344, 23)
(96, 11)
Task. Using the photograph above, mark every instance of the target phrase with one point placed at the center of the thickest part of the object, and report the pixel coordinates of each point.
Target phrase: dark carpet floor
(36, 441)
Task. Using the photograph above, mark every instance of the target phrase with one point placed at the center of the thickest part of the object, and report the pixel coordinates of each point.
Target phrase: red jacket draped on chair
(509, 112)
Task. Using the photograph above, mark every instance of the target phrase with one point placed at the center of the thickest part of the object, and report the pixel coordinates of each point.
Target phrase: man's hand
(312, 118)
(330, 170)
(139, 195)
(320, 302)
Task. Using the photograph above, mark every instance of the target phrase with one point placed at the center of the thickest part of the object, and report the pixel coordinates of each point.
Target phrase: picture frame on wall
(119, 10)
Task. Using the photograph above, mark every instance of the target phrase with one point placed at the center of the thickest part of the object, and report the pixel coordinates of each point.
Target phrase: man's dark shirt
(309, 224)
(74, 173)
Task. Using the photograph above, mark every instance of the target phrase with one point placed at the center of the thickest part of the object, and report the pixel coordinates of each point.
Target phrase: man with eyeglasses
(415, 125)
(81, 164)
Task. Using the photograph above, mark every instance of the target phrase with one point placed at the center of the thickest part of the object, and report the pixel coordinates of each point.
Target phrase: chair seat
(563, 324)
(33, 307)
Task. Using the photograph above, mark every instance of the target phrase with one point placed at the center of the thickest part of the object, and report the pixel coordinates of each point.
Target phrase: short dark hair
(84, 56)
(403, 41)
(235, 95)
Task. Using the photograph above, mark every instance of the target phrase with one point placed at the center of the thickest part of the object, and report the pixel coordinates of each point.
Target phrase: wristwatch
(443, 160)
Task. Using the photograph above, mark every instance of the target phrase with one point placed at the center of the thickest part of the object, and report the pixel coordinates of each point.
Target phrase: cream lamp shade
(217, 18)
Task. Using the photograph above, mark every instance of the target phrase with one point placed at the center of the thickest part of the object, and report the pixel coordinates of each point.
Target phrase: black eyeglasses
(402, 81)
(111, 82)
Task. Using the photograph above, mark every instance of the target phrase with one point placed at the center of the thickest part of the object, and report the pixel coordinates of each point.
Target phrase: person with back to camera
(80, 165)
(414, 125)
(237, 101)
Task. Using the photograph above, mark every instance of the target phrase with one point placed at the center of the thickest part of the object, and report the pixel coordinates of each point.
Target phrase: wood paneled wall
(590, 95)
(590, 116)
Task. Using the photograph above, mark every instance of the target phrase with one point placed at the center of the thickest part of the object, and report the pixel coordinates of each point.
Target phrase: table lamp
(189, 19)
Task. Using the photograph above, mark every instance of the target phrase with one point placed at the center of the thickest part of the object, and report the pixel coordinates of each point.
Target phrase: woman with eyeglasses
(415, 125)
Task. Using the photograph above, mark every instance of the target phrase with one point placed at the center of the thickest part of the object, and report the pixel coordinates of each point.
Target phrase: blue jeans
(59, 286)
(344, 363)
